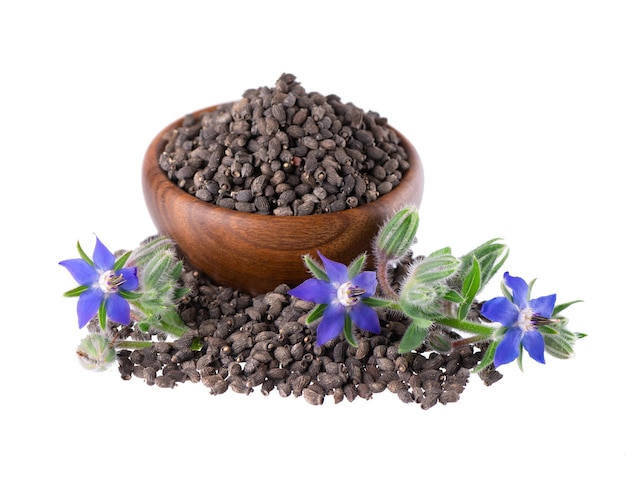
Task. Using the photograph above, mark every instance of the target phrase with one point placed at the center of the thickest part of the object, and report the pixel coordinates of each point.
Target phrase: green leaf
(561, 307)
(453, 296)
(102, 315)
(314, 268)
(76, 291)
(491, 255)
(413, 338)
(356, 266)
(471, 283)
(315, 313)
(84, 256)
(471, 286)
(348, 332)
(119, 263)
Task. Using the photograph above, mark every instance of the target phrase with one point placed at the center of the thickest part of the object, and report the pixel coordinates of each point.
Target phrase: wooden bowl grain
(253, 252)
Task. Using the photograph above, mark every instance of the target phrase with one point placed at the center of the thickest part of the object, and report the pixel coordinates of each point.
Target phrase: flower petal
(519, 288)
(365, 318)
(543, 306)
(336, 271)
(102, 257)
(332, 323)
(118, 309)
(500, 310)
(508, 349)
(82, 272)
(315, 290)
(534, 344)
(88, 305)
(366, 281)
(131, 281)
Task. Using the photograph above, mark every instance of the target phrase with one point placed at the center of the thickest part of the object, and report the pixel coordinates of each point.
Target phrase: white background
(518, 112)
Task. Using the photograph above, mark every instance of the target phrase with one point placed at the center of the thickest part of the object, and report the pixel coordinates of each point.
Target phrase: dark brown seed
(267, 387)
(238, 385)
(298, 382)
(163, 381)
(312, 396)
(283, 355)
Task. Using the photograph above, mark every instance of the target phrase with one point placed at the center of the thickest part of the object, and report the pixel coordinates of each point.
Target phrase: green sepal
(176, 271)
(487, 359)
(75, 292)
(84, 256)
(128, 295)
(180, 292)
(531, 284)
(413, 338)
(143, 326)
(378, 302)
(520, 358)
(561, 307)
(102, 315)
(549, 330)
(506, 292)
(348, 332)
(315, 313)
(315, 268)
(119, 263)
(356, 266)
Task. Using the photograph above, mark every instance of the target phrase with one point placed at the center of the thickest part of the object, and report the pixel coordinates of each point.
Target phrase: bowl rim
(415, 173)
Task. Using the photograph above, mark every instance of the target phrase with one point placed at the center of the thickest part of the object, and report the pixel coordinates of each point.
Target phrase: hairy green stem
(382, 273)
(470, 340)
(466, 326)
(144, 344)
(133, 345)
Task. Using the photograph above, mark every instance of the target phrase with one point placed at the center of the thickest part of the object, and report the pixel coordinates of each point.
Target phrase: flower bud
(560, 345)
(96, 352)
(396, 237)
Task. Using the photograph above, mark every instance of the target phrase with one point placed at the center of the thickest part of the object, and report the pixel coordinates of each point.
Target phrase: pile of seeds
(286, 152)
(262, 343)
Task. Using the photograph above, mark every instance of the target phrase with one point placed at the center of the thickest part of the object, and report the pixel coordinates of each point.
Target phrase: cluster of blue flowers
(439, 290)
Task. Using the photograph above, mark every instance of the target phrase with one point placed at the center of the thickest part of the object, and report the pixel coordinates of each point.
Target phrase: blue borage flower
(105, 286)
(341, 294)
(520, 318)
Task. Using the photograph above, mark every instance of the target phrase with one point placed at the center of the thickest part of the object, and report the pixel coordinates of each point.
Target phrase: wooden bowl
(254, 252)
